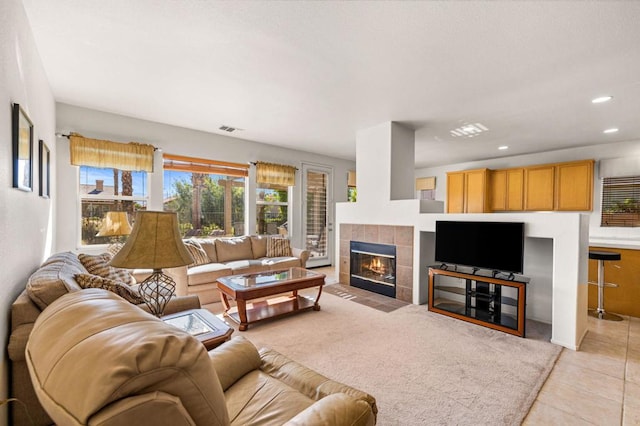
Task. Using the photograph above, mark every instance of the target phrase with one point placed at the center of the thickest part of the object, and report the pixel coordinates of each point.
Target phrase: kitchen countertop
(621, 243)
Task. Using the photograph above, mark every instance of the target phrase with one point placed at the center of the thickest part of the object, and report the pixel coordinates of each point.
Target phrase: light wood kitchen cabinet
(625, 299)
(506, 189)
(467, 191)
(564, 186)
(539, 187)
(574, 186)
(498, 190)
(455, 192)
(515, 189)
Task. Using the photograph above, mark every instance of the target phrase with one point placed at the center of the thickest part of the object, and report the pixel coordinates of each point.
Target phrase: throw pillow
(114, 248)
(278, 247)
(117, 287)
(197, 252)
(99, 265)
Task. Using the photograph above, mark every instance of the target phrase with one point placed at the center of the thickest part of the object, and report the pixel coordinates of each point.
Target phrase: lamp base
(157, 290)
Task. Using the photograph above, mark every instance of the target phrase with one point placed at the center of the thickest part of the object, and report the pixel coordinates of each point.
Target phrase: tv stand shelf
(498, 303)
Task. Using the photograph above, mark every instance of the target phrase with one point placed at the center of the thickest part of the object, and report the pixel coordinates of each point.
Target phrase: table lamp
(114, 224)
(154, 243)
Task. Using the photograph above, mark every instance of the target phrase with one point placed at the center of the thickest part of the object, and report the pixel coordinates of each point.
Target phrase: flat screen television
(498, 246)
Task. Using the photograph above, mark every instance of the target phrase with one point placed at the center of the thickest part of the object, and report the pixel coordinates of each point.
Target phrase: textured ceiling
(309, 75)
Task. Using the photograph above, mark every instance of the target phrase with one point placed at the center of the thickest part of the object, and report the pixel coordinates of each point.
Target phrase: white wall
(25, 218)
(623, 237)
(176, 140)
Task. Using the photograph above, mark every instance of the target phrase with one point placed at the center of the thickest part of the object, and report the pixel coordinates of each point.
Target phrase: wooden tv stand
(494, 302)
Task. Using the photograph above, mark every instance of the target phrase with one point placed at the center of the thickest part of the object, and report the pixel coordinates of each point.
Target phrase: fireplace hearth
(373, 267)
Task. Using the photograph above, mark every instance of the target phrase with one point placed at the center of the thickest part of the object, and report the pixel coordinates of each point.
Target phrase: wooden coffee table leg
(225, 301)
(316, 306)
(242, 313)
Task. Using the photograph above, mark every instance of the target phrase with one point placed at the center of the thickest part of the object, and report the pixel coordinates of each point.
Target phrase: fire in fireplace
(373, 267)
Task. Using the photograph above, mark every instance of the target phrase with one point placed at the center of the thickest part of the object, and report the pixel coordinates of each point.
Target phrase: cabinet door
(515, 189)
(498, 190)
(539, 188)
(476, 200)
(455, 192)
(574, 186)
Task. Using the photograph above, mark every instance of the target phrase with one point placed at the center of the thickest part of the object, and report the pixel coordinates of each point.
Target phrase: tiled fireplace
(398, 237)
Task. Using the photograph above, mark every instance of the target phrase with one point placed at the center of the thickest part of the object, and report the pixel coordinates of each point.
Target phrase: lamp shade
(154, 243)
(114, 224)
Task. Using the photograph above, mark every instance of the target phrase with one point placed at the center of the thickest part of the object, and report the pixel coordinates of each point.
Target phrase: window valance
(201, 165)
(277, 174)
(130, 156)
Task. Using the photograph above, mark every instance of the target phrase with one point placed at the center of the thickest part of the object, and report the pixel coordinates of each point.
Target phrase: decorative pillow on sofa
(259, 246)
(237, 248)
(197, 252)
(114, 248)
(117, 287)
(99, 265)
(278, 247)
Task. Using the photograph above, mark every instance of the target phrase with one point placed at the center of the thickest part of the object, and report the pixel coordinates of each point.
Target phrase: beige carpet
(422, 368)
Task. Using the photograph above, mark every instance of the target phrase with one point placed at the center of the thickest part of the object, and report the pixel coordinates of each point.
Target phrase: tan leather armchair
(95, 359)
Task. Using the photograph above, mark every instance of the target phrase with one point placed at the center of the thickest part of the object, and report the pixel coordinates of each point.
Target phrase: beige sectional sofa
(231, 256)
(53, 279)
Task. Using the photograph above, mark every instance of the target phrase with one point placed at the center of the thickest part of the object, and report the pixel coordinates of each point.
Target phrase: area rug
(422, 368)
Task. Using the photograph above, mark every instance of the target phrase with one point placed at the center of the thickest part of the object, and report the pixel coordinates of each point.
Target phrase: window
(272, 204)
(107, 189)
(208, 195)
(621, 201)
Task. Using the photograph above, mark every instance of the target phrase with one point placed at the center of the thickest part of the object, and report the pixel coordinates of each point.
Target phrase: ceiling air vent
(469, 130)
(227, 128)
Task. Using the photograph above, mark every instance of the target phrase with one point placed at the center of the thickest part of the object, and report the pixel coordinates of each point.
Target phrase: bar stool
(601, 257)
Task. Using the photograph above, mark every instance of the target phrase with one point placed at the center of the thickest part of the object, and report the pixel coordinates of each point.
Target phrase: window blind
(621, 201)
(201, 165)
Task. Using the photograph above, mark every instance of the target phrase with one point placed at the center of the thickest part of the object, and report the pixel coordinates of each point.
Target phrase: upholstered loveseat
(53, 279)
(121, 366)
(219, 257)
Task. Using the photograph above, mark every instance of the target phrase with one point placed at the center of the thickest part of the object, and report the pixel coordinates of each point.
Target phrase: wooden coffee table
(201, 324)
(245, 287)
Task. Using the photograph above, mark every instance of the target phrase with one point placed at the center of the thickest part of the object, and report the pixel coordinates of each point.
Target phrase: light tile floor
(597, 385)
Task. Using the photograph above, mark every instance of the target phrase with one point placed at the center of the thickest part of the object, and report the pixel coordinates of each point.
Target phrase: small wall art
(22, 149)
(44, 156)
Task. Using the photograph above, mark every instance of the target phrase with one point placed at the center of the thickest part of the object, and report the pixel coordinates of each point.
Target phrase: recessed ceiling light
(612, 130)
(601, 99)
(503, 147)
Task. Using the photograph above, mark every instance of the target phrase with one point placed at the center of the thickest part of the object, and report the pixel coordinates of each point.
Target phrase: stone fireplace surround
(400, 236)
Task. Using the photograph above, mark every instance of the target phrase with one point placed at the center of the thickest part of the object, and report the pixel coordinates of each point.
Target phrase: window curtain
(130, 156)
(276, 174)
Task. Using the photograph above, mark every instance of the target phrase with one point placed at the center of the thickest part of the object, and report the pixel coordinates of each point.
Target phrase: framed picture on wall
(44, 156)
(22, 149)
